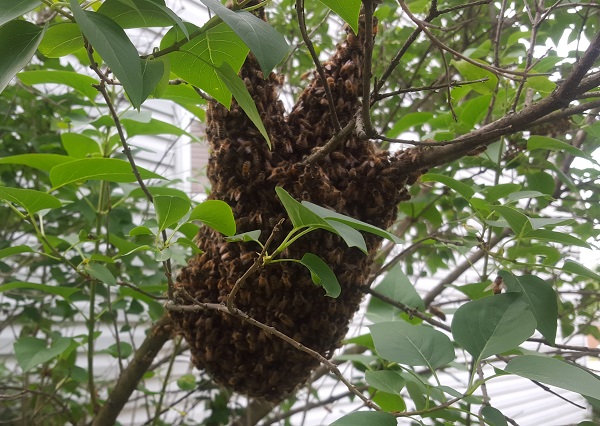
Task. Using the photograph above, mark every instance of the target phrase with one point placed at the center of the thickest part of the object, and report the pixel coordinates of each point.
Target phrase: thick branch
(128, 381)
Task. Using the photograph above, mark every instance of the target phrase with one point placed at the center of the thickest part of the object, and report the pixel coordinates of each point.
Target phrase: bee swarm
(355, 180)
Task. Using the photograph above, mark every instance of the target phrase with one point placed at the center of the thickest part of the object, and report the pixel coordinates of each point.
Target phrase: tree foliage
(498, 100)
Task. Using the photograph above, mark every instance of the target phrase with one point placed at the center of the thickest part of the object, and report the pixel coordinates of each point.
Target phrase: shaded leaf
(65, 292)
(544, 142)
(462, 188)
(61, 39)
(492, 325)
(169, 209)
(216, 214)
(11, 251)
(322, 274)
(15, 8)
(80, 82)
(363, 418)
(245, 237)
(31, 352)
(121, 350)
(18, 43)
(412, 345)
(114, 47)
(107, 169)
(79, 146)
(577, 268)
(385, 381)
(554, 372)
(268, 46)
(493, 416)
(31, 200)
(43, 162)
(101, 273)
(348, 10)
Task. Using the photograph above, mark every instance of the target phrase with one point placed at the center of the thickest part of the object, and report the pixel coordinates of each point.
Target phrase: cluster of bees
(355, 180)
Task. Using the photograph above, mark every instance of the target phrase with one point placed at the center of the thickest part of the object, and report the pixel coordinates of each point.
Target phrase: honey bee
(246, 169)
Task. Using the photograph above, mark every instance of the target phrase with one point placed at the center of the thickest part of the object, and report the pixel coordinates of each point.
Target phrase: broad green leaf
(578, 269)
(322, 274)
(542, 222)
(558, 237)
(65, 292)
(496, 192)
(107, 169)
(245, 237)
(412, 345)
(18, 43)
(61, 39)
(517, 221)
(363, 418)
(101, 273)
(544, 142)
(492, 325)
(519, 195)
(152, 127)
(299, 214)
(186, 242)
(540, 83)
(493, 416)
(554, 372)
(351, 237)
(540, 181)
(240, 92)
(541, 299)
(330, 215)
(11, 251)
(385, 381)
(31, 352)
(79, 146)
(348, 10)
(152, 73)
(462, 188)
(187, 97)
(472, 72)
(196, 61)
(121, 350)
(268, 46)
(140, 230)
(216, 214)
(12, 9)
(80, 82)
(31, 200)
(115, 48)
(43, 162)
(396, 286)
(187, 382)
(169, 209)
(159, 190)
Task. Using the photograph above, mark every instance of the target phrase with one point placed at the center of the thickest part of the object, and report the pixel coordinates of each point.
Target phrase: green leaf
(268, 46)
(152, 73)
(557, 373)
(216, 214)
(517, 221)
(408, 121)
(196, 61)
(136, 13)
(187, 382)
(472, 72)
(187, 97)
(140, 230)
(107, 169)
(540, 297)
(18, 43)
(80, 82)
(115, 48)
(101, 273)
(79, 146)
(43, 162)
(61, 40)
(392, 403)
(152, 127)
(557, 237)
(65, 292)
(186, 242)
(240, 92)
(351, 237)
(121, 350)
(10, 10)
(544, 142)
(32, 201)
(396, 286)
(169, 210)
(412, 345)
(493, 416)
(492, 325)
(11, 251)
(159, 190)
(299, 214)
(31, 352)
(363, 418)
(245, 237)
(496, 192)
(322, 274)
(330, 215)
(385, 381)
(348, 10)
(578, 269)
(462, 188)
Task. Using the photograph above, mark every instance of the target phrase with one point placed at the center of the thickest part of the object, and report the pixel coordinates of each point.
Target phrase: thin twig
(330, 145)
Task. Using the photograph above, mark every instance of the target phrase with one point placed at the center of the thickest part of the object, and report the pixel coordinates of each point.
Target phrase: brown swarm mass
(355, 180)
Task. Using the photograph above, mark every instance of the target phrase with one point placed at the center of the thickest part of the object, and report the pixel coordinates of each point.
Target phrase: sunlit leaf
(217, 214)
(348, 10)
(31, 200)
